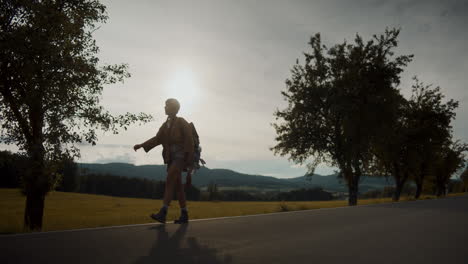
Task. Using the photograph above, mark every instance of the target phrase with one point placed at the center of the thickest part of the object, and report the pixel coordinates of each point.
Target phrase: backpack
(197, 151)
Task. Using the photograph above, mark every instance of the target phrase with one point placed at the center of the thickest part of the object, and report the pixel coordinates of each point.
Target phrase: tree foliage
(430, 129)
(11, 167)
(339, 103)
(51, 83)
(213, 192)
(449, 160)
(464, 178)
(420, 131)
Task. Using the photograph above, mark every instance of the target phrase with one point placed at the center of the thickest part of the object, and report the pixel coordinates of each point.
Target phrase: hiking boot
(183, 219)
(160, 216)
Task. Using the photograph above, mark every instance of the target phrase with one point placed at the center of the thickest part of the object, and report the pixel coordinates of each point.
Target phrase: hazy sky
(226, 62)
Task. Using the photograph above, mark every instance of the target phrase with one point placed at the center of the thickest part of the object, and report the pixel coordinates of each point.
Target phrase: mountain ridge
(230, 179)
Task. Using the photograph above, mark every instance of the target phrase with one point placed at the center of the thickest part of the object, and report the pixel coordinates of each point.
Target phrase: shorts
(177, 157)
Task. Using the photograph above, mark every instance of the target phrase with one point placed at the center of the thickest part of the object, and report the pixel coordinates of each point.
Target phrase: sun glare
(183, 86)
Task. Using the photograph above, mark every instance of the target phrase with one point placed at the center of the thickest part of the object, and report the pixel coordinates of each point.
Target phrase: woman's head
(172, 106)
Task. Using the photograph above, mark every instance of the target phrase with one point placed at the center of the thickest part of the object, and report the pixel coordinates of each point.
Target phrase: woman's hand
(136, 147)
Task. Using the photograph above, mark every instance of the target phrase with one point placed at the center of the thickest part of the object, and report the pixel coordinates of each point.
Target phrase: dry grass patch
(74, 210)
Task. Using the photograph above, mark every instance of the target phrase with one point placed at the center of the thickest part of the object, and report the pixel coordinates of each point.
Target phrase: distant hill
(228, 179)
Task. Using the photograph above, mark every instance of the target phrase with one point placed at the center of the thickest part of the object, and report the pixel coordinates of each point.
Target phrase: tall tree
(395, 153)
(213, 193)
(464, 179)
(449, 160)
(339, 103)
(430, 120)
(50, 87)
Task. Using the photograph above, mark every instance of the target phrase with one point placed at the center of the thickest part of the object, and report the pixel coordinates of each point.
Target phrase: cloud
(125, 158)
(241, 53)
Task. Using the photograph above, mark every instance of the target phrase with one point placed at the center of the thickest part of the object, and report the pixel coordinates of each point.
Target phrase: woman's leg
(172, 175)
(180, 191)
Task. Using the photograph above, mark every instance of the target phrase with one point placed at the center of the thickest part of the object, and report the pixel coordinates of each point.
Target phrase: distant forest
(13, 165)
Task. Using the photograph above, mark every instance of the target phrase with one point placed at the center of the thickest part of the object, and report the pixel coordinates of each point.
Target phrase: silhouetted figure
(178, 150)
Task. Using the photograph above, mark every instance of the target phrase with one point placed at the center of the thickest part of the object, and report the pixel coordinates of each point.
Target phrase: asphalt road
(427, 231)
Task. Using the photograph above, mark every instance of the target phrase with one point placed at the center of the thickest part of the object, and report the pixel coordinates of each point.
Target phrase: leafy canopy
(50, 77)
(340, 101)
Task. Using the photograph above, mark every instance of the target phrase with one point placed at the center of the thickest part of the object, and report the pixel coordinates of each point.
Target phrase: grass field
(74, 210)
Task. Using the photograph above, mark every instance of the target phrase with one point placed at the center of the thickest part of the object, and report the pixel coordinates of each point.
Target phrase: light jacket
(177, 133)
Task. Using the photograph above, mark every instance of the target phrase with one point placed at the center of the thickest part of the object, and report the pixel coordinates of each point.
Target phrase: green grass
(74, 210)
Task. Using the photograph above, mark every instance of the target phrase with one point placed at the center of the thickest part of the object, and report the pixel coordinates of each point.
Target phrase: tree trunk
(353, 190)
(440, 185)
(420, 181)
(397, 193)
(418, 190)
(399, 183)
(36, 187)
(34, 211)
(352, 200)
(441, 189)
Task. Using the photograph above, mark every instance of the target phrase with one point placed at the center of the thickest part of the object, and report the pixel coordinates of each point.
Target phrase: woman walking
(178, 149)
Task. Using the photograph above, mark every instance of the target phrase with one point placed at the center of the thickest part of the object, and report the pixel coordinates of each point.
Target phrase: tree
(416, 136)
(394, 153)
(430, 127)
(339, 102)
(464, 179)
(449, 160)
(213, 192)
(50, 87)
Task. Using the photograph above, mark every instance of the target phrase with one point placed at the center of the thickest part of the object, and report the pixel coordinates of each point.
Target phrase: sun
(183, 86)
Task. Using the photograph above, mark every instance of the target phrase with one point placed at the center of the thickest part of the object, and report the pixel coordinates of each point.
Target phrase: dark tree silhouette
(418, 133)
(393, 152)
(449, 160)
(11, 167)
(430, 122)
(464, 179)
(50, 85)
(213, 192)
(70, 176)
(339, 103)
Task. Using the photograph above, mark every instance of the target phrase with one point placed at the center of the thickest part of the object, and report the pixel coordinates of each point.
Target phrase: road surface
(425, 231)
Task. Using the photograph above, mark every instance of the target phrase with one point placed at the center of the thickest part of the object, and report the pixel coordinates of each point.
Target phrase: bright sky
(226, 62)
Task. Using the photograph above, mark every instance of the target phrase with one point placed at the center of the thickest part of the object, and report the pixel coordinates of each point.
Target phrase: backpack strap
(171, 128)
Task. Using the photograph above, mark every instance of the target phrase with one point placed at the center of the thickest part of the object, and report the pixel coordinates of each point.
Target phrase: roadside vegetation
(64, 211)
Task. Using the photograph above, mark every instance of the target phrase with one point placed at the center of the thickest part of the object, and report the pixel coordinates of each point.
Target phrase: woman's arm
(152, 142)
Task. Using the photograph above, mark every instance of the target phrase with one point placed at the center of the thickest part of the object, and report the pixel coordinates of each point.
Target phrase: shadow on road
(173, 249)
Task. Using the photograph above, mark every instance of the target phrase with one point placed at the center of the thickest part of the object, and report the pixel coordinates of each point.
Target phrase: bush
(314, 194)
(284, 208)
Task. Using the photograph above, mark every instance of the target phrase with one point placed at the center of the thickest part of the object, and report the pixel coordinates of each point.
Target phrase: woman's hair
(174, 102)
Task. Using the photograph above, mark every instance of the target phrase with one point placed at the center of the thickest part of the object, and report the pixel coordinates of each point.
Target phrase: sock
(183, 210)
(164, 207)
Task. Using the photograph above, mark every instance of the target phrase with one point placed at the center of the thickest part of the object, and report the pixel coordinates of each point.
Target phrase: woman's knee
(174, 171)
(173, 174)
